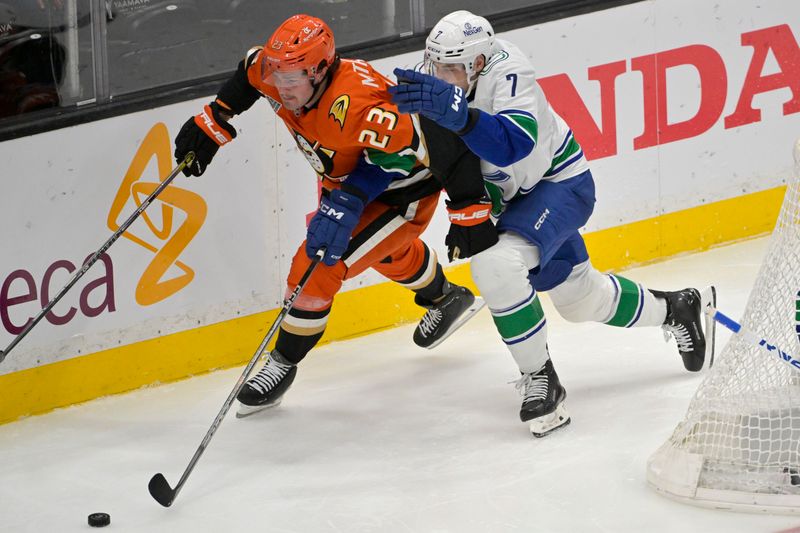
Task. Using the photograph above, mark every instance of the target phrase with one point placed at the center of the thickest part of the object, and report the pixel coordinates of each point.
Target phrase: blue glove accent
(442, 102)
(332, 225)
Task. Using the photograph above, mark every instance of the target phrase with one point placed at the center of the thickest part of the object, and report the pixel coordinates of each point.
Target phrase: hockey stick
(158, 486)
(93, 259)
(752, 338)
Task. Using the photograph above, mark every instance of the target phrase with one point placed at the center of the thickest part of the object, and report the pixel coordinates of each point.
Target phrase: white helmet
(458, 38)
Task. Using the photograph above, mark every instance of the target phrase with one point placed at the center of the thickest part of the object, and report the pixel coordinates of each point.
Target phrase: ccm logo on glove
(330, 211)
(456, 97)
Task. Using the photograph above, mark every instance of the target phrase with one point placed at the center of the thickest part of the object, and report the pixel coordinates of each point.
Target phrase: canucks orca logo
(497, 176)
(797, 315)
(339, 108)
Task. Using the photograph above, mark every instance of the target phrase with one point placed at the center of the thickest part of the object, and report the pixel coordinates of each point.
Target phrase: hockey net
(739, 445)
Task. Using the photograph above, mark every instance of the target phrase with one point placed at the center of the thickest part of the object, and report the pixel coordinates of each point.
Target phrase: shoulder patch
(339, 108)
(276, 105)
(495, 59)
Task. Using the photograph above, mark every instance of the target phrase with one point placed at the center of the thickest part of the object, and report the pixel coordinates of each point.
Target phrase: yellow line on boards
(358, 312)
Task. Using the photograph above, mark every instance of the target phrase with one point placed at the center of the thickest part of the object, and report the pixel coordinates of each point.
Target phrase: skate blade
(544, 425)
(708, 299)
(468, 313)
(247, 410)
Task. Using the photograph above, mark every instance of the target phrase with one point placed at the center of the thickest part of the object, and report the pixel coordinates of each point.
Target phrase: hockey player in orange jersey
(381, 174)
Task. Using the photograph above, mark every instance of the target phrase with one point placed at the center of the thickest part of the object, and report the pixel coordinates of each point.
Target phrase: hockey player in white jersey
(542, 192)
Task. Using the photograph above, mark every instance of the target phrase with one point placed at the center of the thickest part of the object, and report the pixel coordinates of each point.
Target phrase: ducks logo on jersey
(339, 108)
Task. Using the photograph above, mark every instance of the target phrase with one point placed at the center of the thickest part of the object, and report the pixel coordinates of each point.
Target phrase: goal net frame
(738, 447)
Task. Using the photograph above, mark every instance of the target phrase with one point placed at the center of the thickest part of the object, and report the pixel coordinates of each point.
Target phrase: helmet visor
(288, 79)
(280, 74)
(455, 73)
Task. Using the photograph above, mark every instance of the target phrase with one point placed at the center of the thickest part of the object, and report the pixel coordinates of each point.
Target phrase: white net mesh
(740, 440)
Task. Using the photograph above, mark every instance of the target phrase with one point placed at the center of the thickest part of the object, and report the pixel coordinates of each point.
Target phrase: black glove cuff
(355, 191)
(470, 201)
(472, 119)
(216, 112)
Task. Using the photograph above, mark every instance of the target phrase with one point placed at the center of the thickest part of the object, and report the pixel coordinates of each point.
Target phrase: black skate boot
(543, 400)
(446, 315)
(685, 322)
(266, 389)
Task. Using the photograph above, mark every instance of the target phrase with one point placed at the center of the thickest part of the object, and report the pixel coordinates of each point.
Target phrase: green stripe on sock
(628, 303)
(522, 320)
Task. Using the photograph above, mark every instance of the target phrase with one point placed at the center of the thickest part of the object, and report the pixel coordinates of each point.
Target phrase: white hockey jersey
(507, 86)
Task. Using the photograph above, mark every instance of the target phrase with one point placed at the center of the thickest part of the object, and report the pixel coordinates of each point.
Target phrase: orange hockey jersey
(353, 118)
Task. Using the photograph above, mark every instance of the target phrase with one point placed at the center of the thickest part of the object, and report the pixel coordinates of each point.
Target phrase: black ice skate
(265, 389)
(445, 316)
(543, 400)
(685, 319)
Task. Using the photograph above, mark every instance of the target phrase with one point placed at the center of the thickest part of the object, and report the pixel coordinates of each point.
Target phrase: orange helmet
(302, 42)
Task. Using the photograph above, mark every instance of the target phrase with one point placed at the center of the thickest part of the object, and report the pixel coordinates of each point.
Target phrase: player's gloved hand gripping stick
(158, 486)
(203, 134)
(185, 162)
(332, 225)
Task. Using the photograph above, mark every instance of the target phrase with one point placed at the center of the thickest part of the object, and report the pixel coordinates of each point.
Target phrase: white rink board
(61, 185)
(63, 188)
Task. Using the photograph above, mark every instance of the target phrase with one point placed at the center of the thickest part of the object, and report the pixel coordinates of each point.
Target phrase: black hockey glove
(203, 134)
(471, 231)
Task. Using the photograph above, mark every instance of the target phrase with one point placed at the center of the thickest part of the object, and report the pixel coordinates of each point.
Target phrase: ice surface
(378, 435)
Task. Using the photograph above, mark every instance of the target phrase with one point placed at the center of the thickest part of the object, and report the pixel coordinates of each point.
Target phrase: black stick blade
(160, 490)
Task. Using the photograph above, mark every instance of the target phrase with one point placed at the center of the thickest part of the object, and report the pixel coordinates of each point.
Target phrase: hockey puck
(99, 519)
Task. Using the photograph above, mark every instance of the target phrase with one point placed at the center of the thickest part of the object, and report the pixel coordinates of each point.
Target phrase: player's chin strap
(319, 88)
(473, 80)
(471, 87)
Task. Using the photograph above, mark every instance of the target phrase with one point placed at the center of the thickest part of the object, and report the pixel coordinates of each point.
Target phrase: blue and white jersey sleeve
(526, 141)
(507, 131)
